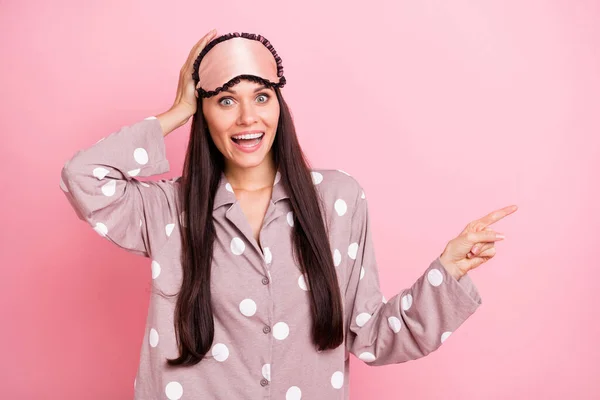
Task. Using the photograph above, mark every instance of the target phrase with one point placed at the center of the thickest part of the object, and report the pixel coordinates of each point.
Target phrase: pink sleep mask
(233, 56)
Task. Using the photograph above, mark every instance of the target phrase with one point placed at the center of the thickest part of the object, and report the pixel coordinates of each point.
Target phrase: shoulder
(336, 184)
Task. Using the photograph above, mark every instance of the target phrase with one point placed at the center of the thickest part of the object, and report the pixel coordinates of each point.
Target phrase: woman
(263, 271)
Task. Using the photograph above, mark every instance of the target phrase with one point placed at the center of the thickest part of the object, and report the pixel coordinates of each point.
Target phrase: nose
(248, 115)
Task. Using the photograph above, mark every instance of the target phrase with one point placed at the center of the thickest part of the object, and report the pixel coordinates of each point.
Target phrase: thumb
(473, 262)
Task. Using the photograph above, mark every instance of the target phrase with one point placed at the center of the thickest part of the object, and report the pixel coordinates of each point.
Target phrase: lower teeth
(248, 142)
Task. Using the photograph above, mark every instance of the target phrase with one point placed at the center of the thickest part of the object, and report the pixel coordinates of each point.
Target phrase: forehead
(246, 86)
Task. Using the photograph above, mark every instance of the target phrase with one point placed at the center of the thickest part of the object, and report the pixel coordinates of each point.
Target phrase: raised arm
(100, 181)
(415, 321)
(101, 186)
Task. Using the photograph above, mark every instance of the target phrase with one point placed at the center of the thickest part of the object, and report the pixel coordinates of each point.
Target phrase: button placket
(264, 382)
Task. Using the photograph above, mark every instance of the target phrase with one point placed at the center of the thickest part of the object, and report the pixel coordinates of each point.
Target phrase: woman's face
(246, 108)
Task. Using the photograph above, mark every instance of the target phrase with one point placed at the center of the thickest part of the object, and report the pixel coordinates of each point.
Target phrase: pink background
(444, 111)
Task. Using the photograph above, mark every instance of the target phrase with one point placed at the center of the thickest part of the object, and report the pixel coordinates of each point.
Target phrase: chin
(249, 160)
(247, 163)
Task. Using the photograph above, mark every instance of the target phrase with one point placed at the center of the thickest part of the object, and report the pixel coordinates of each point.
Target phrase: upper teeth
(248, 136)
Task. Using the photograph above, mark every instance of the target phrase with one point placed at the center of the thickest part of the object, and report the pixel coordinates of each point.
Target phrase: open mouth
(249, 140)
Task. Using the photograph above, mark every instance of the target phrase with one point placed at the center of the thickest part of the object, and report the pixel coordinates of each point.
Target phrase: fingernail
(475, 250)
(499, 236)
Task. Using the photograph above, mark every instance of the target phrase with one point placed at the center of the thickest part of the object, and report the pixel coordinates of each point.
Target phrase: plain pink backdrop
(444, 111)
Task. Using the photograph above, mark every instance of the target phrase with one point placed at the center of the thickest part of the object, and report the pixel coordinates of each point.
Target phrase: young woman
(264, 276)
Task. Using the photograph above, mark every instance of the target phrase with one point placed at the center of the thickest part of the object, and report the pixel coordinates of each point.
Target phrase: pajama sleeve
(416, 320)
(100, 184)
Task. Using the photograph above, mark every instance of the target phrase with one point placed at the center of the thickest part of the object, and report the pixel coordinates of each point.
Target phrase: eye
(263, 95)
(266, 96)
(223, 99)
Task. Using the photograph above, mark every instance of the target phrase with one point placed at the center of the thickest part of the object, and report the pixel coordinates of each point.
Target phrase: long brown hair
(204, 163)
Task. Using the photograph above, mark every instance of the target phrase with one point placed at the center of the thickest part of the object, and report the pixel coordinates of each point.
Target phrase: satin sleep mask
(233, 56)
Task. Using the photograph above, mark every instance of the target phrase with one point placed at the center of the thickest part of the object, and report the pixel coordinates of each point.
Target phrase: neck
(251, 178)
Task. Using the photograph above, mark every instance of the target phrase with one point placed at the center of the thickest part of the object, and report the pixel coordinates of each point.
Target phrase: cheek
(272, 116)
(218, 125)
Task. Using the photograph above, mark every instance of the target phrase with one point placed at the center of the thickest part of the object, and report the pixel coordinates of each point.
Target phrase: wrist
(180, 113)
(172, 119)
(451, 267)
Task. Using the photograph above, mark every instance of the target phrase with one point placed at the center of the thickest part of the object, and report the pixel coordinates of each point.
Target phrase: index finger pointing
(497, 215)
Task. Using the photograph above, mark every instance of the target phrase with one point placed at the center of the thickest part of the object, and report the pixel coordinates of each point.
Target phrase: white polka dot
(144, 184)
(316, 177)
(337, 257)
(362, 196)
(302, 282)
(344, 172)
(277, 178)
(362, 272)
(293, 393)
(220, 352)
(290, 218)
(174, 390)
(394, 324)
(109, 188)
(134, 172)
(63, 186)
(383, 299)
(435, 277)
(140, 155)
(367, 357)
(155, 269)
(352, 250)
(340, 207)
(150, 118)
(445, 336)
(266, 371)
(337, 379)
(248, 307)
(101, 229)
(362, 318)
(268, 255)
(237, 246)
(169, 229)
(153, 337)
(406, 302)
(281, 330)
(100, 172)
(228, 187)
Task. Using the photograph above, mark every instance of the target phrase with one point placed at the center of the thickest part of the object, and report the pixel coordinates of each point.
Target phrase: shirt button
(264, 382)
(266, 329)
(265, 280)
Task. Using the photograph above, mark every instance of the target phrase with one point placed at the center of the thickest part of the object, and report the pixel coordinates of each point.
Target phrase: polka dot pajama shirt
(262, 347)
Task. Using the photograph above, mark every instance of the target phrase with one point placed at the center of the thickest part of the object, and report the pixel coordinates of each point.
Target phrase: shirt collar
(225, 195)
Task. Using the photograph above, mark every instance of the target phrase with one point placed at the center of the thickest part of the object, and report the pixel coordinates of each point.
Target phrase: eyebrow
(255, 90)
